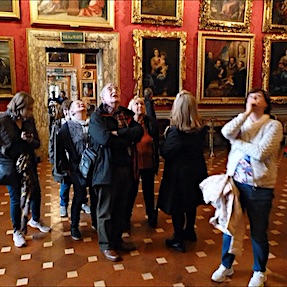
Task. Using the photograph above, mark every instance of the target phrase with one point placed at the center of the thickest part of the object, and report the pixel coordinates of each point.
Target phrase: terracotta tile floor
(54, 259)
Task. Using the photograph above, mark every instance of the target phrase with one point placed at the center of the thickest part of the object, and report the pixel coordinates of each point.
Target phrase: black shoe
(189, 235)
(285, 154)
(125, 246)
(75, 233)
(175, 244)
(152, 220)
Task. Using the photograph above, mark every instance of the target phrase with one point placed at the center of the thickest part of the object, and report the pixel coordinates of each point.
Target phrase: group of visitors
(126, 141)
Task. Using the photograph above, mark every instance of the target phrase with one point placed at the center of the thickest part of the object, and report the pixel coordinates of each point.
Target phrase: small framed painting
(158, 12)
(225, 16)
(10, 9)
(87, 74)
(89, 60)
(88, 89)
(7, 68)
(59, 59)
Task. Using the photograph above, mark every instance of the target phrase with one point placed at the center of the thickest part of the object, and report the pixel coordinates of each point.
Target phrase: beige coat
(220, 191)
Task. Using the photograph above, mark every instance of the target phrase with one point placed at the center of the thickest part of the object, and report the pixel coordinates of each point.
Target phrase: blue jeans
(64, 193)
(257, 201)
(15, 209)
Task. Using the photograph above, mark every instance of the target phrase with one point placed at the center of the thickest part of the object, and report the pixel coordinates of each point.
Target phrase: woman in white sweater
(255, 141)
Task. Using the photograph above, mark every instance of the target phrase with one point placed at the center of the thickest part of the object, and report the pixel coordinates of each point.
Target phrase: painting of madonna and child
(161, 66)
(226, 68)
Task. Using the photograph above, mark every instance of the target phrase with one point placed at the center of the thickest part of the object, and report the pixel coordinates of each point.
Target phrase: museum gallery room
(216, 49)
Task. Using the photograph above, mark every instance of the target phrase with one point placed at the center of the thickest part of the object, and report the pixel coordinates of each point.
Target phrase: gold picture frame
(87, 74)
(88, 89)
(274, 67)
(89, 60)
(166, 80)
(59, 59)
(69, 13)
(158, 12)
(10, 9)
(221, 16)
(274, 17)
(224, 67)
(7, 68)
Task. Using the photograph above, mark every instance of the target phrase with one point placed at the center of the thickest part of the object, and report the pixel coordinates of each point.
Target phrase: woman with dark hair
(252, 163)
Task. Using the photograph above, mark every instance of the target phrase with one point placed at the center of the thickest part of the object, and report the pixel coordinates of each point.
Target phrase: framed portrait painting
(88, 89)
(158, 12)
(224, 67)
(275, 16)
(59, 59)
(159, 63)
(7, 68)
(10, 9)
(225, 15)
(275, 67)
(73, 13)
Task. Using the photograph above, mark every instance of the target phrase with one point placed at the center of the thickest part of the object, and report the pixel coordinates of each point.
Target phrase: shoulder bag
(87, 161)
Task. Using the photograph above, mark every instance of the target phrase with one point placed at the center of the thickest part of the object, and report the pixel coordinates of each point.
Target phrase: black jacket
(112, 151)
(184, 169)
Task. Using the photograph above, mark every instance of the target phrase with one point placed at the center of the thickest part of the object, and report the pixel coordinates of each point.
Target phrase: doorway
(107, 45)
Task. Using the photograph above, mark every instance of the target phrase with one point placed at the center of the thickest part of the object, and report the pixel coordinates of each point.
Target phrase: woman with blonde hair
(147, 161)
(184, 168)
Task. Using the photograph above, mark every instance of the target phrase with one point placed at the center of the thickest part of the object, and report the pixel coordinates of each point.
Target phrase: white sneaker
(220, 274)
(257, 279)
(63, 211)
(39, 225)
(86, 208)
(18, 238)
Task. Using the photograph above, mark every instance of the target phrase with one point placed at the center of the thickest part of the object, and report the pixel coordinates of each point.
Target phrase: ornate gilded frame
(211, 19)
(13, 13)
(270, 22)
(176, 39)
(7, 63)
(161, 18)
(61, 17)
(274, 51)
(222, 46)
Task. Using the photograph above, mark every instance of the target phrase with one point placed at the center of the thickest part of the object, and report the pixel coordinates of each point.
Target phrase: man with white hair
(113, 132)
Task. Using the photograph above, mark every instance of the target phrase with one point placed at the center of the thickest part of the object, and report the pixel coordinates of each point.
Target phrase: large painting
(225, 67)
(7, 68)
(10, 9)
(159, 63)
(275, 67)
(157, 12)
(275, 16)
(73, 13)
(225, 15)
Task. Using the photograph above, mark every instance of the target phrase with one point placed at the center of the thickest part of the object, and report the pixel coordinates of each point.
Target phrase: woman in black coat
(184, 169)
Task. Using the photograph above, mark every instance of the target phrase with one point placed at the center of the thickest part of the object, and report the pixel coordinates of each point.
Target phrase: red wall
(17, 29)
